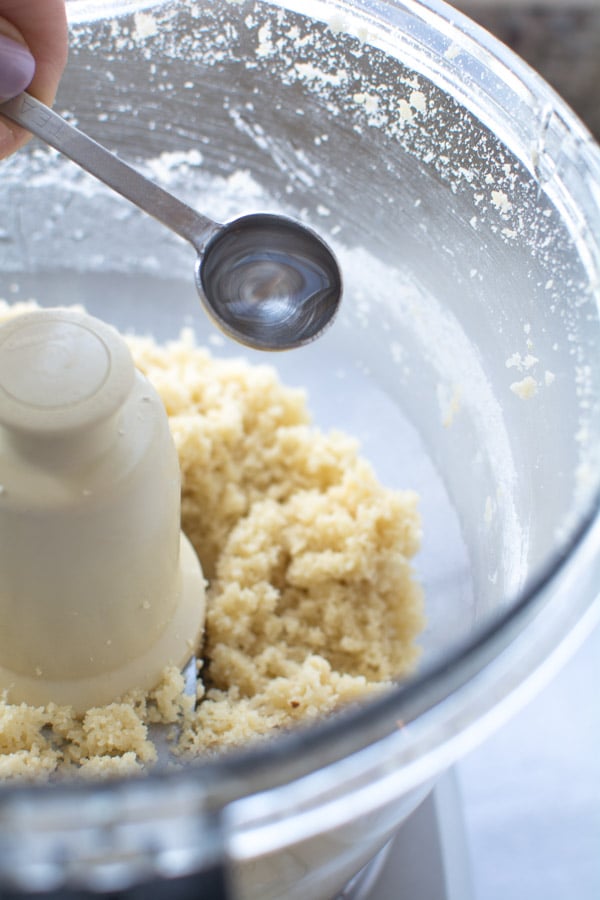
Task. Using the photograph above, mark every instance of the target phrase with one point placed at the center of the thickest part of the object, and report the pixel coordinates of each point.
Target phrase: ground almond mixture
(312, 600)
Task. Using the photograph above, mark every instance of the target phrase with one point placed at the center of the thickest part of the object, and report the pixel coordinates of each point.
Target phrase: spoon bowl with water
(266, 280)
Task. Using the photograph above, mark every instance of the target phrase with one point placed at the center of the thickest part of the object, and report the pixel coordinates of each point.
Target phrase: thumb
(17, 65)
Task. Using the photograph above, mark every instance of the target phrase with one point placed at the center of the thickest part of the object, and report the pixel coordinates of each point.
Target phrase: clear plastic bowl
(463, 200)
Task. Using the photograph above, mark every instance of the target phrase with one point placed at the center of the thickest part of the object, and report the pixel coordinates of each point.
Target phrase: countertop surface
(531, 793)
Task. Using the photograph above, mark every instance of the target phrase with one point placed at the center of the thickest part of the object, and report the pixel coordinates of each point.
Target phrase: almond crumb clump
(312, 602)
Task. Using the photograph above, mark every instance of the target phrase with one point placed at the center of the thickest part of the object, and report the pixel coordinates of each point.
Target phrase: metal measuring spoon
(265, 280)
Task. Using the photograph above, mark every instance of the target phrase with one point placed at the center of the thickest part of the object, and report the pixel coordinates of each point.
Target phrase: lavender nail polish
(17, 67)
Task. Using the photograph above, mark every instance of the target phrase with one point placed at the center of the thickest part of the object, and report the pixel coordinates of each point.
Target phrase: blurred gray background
(559, 38)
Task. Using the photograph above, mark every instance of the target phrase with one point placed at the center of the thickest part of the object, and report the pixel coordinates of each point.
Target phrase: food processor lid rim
(92, 10)
(294, 754)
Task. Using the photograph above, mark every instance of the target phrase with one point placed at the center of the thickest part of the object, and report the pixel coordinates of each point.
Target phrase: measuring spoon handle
(42, 121)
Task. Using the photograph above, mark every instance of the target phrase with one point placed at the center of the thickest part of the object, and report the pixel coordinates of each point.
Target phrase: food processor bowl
(462, 198)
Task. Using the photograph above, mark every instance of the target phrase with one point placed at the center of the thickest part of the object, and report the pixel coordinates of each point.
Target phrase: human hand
(33, 53)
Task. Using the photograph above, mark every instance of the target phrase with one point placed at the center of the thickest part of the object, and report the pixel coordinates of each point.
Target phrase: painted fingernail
(17, 67)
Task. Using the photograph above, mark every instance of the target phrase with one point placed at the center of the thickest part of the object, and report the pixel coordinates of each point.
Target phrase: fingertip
(17, 67)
